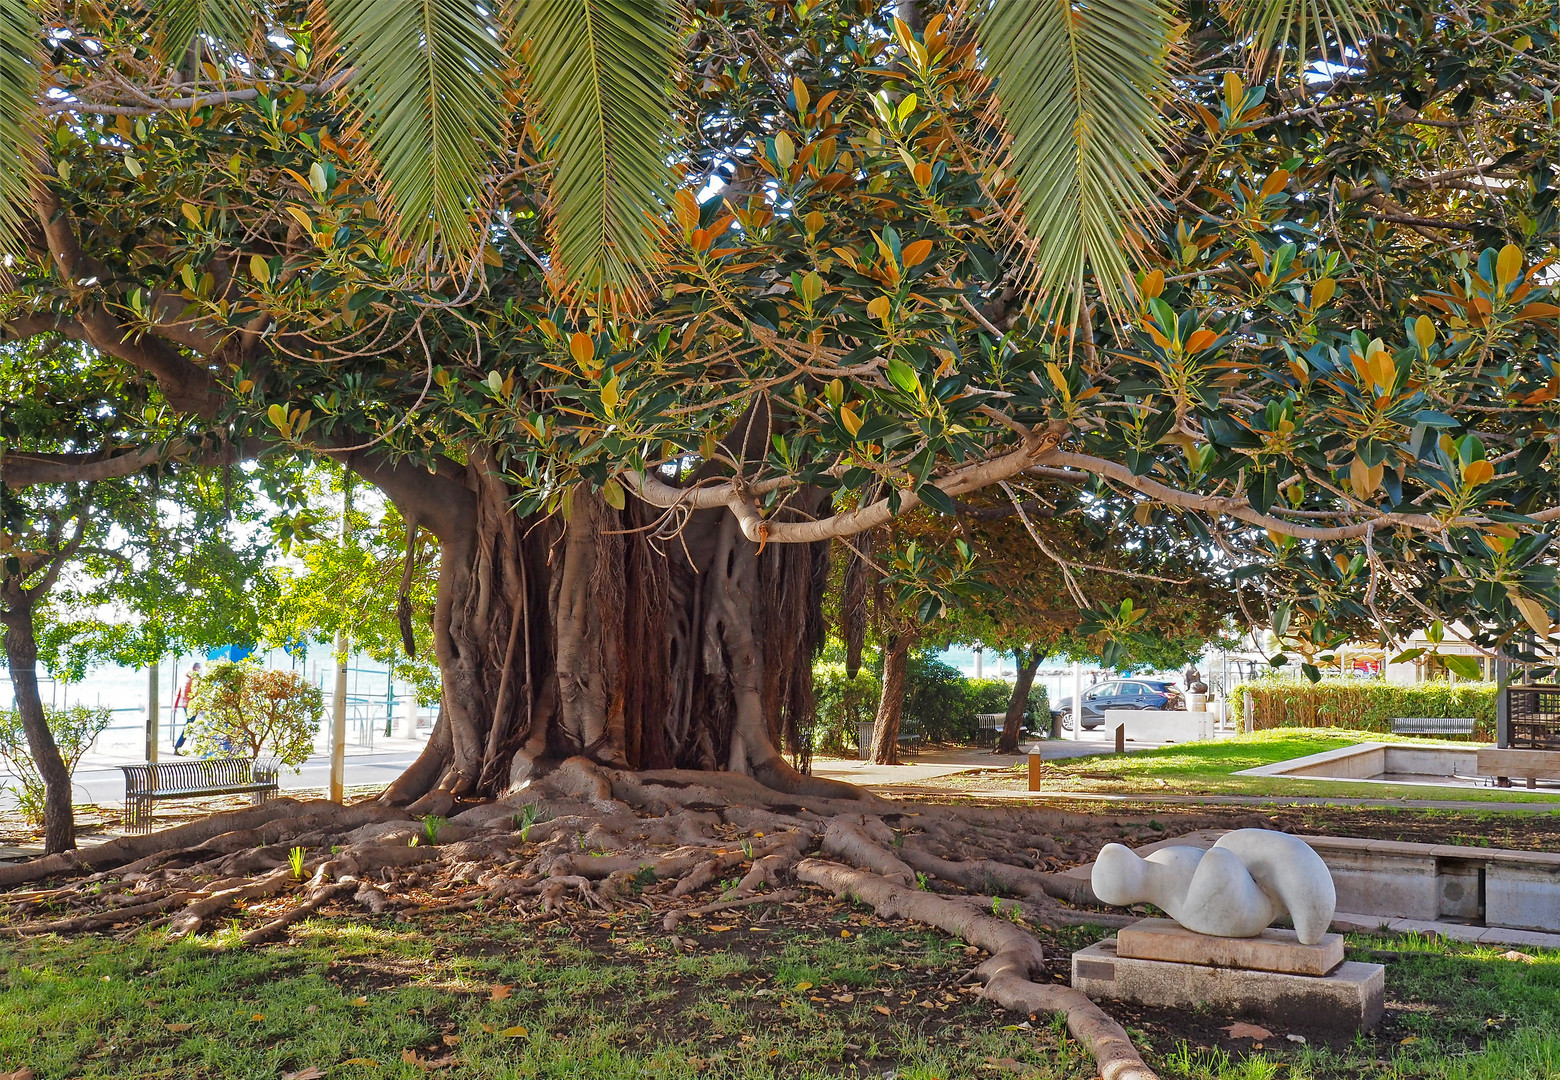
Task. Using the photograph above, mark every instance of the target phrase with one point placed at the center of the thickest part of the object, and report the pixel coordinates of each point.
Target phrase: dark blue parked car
(1120, 694)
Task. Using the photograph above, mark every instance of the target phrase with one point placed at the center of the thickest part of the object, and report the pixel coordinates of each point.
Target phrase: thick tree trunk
(21, 654)
(594, 637)
(1028, 662)
(891, 701)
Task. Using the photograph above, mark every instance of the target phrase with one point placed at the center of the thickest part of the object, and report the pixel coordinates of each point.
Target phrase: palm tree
(1079, 88)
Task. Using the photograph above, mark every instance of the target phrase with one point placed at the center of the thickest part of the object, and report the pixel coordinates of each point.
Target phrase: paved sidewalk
(1224, 800)
(919, 765)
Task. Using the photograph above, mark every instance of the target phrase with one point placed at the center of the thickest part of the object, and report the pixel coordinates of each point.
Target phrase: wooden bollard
(1035, 763)
(1121, 738)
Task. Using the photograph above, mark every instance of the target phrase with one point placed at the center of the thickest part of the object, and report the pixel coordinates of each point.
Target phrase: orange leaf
(1201, 340)
(500, 993)
(1478, 472)
(917, 252)
(1275, 183)
(1248, 1031)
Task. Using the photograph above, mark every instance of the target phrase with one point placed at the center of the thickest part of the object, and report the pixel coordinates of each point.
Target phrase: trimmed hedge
(1362, 705)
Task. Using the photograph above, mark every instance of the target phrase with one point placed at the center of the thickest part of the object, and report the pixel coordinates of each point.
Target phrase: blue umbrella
(234, 653)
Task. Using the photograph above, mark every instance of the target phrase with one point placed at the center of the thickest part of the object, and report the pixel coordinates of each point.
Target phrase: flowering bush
(244, 710)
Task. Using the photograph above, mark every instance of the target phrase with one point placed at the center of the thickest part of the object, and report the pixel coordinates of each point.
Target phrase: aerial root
(319, 896)
(587, 838)
(1016, 956)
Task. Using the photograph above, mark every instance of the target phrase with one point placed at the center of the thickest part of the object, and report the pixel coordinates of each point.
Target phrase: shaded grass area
(1455, 1012)
(808, 990)
(819, 991)
(1208, 768)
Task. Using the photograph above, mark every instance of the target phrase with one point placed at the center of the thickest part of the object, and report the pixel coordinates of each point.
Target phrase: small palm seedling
(295, 860)
(433, 824)
(529, 815)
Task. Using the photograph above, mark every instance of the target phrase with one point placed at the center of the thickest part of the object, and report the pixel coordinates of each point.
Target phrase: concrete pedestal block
(1271, 950)
(1351, 997)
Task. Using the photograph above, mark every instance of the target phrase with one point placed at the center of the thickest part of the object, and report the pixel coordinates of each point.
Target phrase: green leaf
(1465, 666)
(936, 498)
(426, 83)
(1078, 87)
(21, 60)
(903, 376)
(613, 493)
(176, 23)
(600, 72)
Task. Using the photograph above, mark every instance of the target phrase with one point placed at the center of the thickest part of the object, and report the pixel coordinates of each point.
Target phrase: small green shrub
(74, 728)
(1363, 705)
(842, 703)
(938, 705)
(941, 705)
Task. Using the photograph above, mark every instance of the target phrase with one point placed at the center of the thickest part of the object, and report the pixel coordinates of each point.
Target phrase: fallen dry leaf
(313, 1072)
(1520, 957)
(804, 986)
(500, 993)
(519, 1031)
(358, 1002)
(884, 1009)
(23, 1073)
(257, 1017)
(1007, 1063)
(367, 1063)
(452, 1040)
(1247, 1031)
(716, 929)
(176, 1028)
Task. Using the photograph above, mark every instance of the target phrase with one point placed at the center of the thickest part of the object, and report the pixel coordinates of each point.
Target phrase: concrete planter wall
(1162, 725)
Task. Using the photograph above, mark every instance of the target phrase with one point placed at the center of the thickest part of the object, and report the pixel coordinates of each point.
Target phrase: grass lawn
(826, 992)
(1208, 768)
(820, 989)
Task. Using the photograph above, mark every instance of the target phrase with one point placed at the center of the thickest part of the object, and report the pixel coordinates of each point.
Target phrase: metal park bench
(1432, 725)
(989, 727)
(145, 784)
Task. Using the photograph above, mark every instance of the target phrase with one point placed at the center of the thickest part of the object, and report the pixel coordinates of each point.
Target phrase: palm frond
(21, 60)
(1305, 24)
(177, 23)
(599, 72)
(1078, 87)
(426, 87)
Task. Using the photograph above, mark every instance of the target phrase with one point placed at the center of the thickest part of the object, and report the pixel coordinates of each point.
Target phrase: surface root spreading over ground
(589, 838)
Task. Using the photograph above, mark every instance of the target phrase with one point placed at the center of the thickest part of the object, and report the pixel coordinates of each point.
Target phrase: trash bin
(864, 738)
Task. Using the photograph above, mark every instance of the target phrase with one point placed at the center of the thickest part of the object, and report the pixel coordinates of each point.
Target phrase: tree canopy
(1323, 347)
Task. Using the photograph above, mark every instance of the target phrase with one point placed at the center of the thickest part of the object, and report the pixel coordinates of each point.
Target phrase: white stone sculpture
(1234, 889)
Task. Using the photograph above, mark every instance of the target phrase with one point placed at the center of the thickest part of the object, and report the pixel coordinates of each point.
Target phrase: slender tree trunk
(1027, 662)
(891, 701)
(21, 654)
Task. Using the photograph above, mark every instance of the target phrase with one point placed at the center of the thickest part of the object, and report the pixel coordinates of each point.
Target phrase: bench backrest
(204, 772)
(1432, 725)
